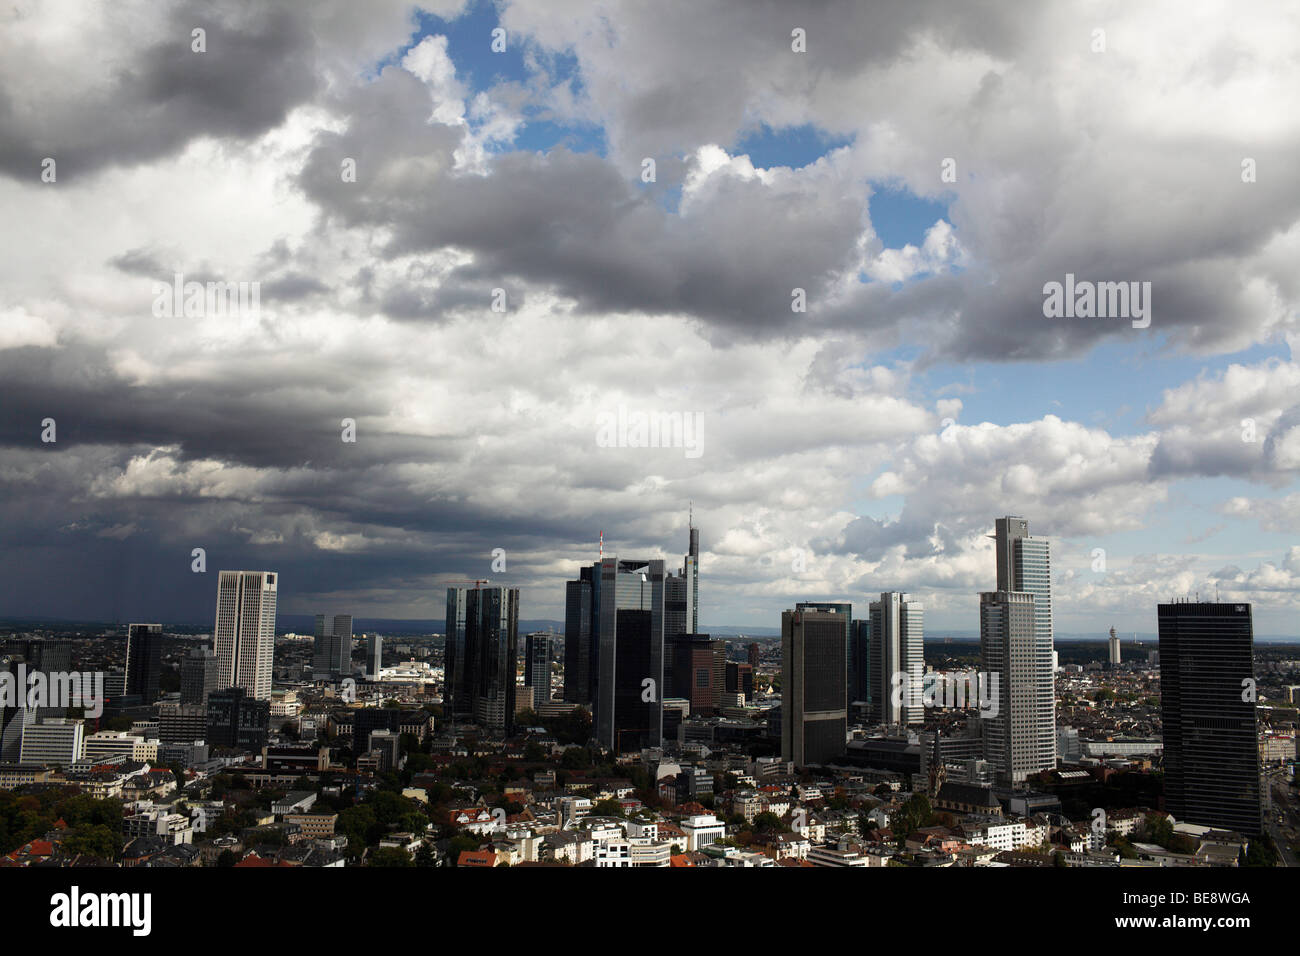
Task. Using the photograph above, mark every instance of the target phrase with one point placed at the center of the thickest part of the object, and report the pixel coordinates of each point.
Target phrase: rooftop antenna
(602, 545)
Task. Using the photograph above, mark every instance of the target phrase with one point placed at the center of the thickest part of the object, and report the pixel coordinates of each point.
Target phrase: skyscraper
(581, 635)
(332, 652)
(244, 633)
(860, 661)
(374, 656)
(238, 720)
(629, 690)
(845, 612)
(1207, 707)
(897, 626)
(481, 649)
(537, 666)
(1113, 656)
(692, 570)
(678, 604)
(814, 708)
(693, 673)
(1009, 656)
(740, 679)
(143, 660)
(1024, 564)
(200, 673)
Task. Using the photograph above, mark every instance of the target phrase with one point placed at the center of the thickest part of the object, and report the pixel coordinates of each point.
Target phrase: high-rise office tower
(237, 719)
(200, 674)
(143, 660)
(537, 665)
(630, 686)
(753, 654)
(693, 673)
(1009, 656)
(897, 626)
(740, 679)
(481, 649)
(581, 635)
(681, 612)
(860, 661)
(719, 667)
(845, 611)
(332, 652)
(46, 655)
(1207, 707)
(814, 704)
(457, 698)
(692, 570)
(678, 604)
(15, 714)
(1024, 564)
(1113, 657)
(244, 634)
(374, 656)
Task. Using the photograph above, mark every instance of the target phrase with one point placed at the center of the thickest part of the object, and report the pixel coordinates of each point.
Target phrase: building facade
(244, 633)
(1207, 706)
(814, 703)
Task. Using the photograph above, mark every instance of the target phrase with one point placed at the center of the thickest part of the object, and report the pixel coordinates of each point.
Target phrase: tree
(575, 758)
(1262, 852)
(390, 856)
(93, 840)
(424, 856)
(226, 858)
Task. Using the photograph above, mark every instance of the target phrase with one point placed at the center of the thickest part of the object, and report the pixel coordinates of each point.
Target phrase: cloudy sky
(919, 170)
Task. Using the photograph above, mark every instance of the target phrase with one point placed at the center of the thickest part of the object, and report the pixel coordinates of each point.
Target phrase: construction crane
(476, 582)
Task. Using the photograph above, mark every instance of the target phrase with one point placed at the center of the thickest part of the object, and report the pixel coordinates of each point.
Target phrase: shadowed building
(814, 708)
(1207, 707)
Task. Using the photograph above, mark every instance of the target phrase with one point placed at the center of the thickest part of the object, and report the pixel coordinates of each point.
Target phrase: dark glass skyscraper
(1207, 706)
(814, 712)
(199, 675)
(143, 660)
(581, 635)
(537, 665)
(332, 651)
(481, 648)
(845, 612)
(860, 661)
(629, 700)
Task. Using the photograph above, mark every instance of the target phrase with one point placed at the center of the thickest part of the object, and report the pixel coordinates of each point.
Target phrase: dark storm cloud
(259, 64)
